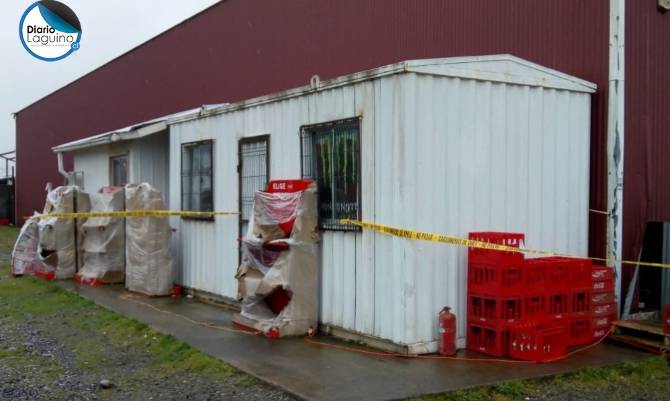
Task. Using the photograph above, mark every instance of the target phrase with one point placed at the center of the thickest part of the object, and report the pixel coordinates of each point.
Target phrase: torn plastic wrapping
(24, 254)
(149, 266)
(57, 250)
(294, 271)
(104, 240)
(281, 215)
(274, 214)
(277, 279)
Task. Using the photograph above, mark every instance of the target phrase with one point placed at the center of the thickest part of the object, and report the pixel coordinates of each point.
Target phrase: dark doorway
(651, 278)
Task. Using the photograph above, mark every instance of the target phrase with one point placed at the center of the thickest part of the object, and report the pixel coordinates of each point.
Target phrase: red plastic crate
(600, 322)
(496, 278)
(488, 339)
(601, 298)
(603, 285)
(580, 331)
(600, 333)
(534, 274)
(580, 272)
(487, 256)
(580, 302)
(558, 276)
(496, 310)
(537, 342)
(604, 310)
(535, 306)
(558, 305)
(602, 273)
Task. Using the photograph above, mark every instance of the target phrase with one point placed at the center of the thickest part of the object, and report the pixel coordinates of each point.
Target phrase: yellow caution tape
(133, 213)
(451, 240)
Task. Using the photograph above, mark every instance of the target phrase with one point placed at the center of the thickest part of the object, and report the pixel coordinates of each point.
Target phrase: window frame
(310, 129)
(111, 168)
(243, 141)
(181, 178)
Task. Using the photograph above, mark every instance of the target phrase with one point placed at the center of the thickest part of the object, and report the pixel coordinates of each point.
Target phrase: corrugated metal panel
(301, 38)
(94, 163)
(647, 126)
(438, 154)
(149, 159)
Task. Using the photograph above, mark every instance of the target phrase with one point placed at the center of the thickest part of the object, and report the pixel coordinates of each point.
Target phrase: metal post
(615, 137)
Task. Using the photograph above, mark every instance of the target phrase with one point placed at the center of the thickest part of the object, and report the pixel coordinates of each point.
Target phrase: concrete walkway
(313, 372)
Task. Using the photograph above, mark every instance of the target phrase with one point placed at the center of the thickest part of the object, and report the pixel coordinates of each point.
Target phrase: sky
(25, 79)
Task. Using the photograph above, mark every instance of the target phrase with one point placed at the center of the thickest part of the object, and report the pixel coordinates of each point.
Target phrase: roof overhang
(130, 132)
(111, 137)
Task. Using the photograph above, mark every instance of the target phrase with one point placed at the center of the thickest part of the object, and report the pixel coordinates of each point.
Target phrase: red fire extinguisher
(447, 324)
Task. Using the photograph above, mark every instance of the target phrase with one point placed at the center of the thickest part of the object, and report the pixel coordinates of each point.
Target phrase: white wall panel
(94, 162)
(148, 162)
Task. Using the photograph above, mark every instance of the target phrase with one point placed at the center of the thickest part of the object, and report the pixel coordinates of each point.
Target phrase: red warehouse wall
(647, 124)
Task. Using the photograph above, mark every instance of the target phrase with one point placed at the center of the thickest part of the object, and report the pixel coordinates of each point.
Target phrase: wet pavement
(315, 372)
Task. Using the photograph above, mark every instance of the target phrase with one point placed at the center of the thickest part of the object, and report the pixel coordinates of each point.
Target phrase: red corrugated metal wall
(243, 48)
(647, 124)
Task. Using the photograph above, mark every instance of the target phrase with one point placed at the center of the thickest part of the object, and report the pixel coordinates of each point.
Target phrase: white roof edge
(558, 80)
(576, 84)
(589, 87)
(134, 131)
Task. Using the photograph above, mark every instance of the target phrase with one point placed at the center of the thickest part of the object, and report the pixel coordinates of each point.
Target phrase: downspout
(61, 169)
(615, 138)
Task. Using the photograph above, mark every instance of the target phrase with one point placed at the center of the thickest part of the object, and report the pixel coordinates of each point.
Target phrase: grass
(651, 374)
(8, 237)
(95, 335)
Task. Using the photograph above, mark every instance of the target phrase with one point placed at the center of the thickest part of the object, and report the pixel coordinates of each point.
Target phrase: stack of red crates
(526, 308)
(603, 302)
(496, 298)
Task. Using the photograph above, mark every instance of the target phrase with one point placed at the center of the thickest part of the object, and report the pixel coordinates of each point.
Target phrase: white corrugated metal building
(454, 145)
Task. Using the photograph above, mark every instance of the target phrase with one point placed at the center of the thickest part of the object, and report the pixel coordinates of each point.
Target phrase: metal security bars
(254, 170)
(330, 154)
(196, 177)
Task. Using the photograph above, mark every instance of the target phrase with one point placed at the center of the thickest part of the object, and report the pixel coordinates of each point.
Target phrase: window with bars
(254, 170)
(196, 177)
(331, 156)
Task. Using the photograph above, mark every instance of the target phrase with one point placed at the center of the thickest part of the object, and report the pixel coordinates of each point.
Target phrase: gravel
(37, 365)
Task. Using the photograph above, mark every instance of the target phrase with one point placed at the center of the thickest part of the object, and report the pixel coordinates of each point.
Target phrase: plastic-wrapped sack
(279, 289)
(284, 214)
(149, 267)
(24, 254)
(104, 240)
(58, 237)
(277, 279)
